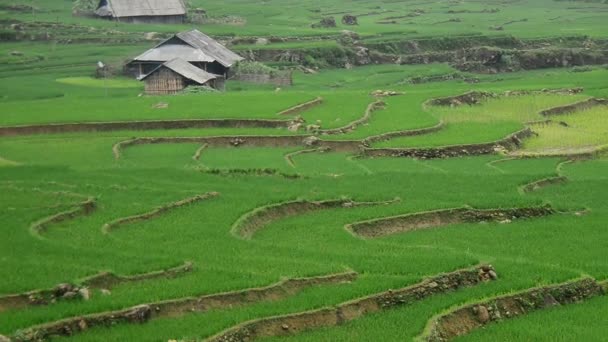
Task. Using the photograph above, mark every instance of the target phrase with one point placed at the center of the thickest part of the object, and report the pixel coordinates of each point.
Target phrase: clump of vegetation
(198, 90)
(84, 7)
(255, 68)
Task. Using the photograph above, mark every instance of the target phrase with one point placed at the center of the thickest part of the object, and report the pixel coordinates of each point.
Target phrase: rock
(348, 205)
(84, 293)
(139, 314)
(262, 41)
(483, 316)
(82, 324)
(349, 20)
(69, 295)
(433, 285)
(493, 274)
(105, 292)
(285, 327)
(294, 127)
(16, 53)
(4, 339)
(549, 301)
(505, 221)
(311, 141)
(313, 128)
(151, 36)
(62, 289)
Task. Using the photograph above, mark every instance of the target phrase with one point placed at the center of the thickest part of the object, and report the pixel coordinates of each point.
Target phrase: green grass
(584, 129)
(51, 82)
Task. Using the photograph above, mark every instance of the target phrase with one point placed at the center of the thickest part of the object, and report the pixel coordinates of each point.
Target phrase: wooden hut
(192, 46)
(177, 74)
(143, 11)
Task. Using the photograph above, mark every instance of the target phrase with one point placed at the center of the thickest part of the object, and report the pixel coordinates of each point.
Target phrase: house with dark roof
(192, 46)
(175, 75)
(143, 11)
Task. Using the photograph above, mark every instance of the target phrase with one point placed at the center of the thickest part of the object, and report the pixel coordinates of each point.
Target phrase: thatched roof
(138, 8)
(186, 70)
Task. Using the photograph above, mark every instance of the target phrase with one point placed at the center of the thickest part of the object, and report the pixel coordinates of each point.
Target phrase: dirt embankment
(244, 141)
(108, 280)
(246, 226)
(371, 108)
(175, 308)
(463, 320)
(510, 142)
(140, 126)
(410, 133)
(434, 219)
(302, 107)
(575, 107)
(82, 209)
(80, 289)
(348, 311)
(537, 185)
(108, 227)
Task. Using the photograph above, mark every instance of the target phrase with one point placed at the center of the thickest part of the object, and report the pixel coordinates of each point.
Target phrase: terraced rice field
(324, 211)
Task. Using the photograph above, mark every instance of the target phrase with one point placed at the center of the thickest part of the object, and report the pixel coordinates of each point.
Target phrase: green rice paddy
(42, 175)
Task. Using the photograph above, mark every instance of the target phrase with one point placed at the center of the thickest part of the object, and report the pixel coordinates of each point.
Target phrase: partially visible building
(175, 75)
(143, 11)
(192, 46)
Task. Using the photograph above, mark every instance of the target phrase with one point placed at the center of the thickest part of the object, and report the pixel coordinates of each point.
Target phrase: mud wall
(575, 107)
(508, 143)
(141, 125)
(468, 318)
(348, 311)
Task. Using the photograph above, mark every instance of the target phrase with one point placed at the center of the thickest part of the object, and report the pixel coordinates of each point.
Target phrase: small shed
(143, 11)
(177, 74)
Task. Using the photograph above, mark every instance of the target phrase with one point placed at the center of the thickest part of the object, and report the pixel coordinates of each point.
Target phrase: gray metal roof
(138, 8)
(186, 70)
(171, 51)
(210, 47)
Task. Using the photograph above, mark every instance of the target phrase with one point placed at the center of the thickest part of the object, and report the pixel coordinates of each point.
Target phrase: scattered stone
(385, 93)
(505, 221)
(493, 274)
(349, 20)
(62, 289)
(105, 292)
(237, 142)
(311, 141)
(16, 53)
(285, 327)
(313, 128)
